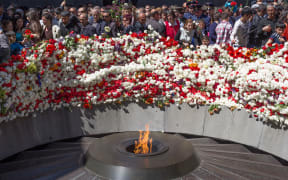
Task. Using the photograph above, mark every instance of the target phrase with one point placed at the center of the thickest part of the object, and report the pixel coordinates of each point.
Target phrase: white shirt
(240, 33)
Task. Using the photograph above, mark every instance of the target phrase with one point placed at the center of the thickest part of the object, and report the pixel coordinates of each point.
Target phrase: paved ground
(63, 160)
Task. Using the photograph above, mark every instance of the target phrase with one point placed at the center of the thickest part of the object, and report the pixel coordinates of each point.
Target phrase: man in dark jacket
(68, 23)
(86, 28)
(266, 25)
(140, 26)
(96, 20)
(254, 40)
(107, 27)
(156, 25)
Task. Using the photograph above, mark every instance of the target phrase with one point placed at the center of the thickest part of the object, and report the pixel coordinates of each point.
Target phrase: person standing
(140, 26)
(239, 36)
(277, 37)
(223, 30)
(86, 28)
(212, 28)
(50, 31)
(187, 35)
(154, 22)
(126, 27)
(107, 26)
(266, 26)
(96, 20)
(172, 25)
(4, 48)
(254, 40)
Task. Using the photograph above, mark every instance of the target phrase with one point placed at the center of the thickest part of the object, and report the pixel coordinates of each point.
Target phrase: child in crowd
(205, 41)
(15, 47)
(187, 34)
(277, 37)
(201, 28)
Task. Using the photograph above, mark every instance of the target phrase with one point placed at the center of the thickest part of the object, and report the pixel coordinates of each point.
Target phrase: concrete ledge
(50, 126)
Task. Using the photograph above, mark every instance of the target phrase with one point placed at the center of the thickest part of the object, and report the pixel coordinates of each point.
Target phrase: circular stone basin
(112, 157)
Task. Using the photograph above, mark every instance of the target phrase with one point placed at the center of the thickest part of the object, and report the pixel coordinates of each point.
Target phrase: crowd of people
(254, 26)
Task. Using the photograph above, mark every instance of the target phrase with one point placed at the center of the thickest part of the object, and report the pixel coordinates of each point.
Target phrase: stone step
(221, 173)
(55, 174)
(88, 176)
(49, 152)
(202, 173)
(38, 171)
(246, 174)
(36, 160)
(81, 173)
(63, 145)
(223, 147)
(82, 140)
(189, 177)
(202, 141)
(265, 158)
(257, 168)
(74, 174)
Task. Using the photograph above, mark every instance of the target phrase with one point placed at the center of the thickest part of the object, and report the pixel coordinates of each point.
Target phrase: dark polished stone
(172, 157)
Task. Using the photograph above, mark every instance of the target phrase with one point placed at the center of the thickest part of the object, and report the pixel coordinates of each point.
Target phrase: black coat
(264, 36)
(139, 28)
(254, 40)
(114, 29)
(88, 30)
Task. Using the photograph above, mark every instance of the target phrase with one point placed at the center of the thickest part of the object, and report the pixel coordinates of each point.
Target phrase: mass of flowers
(81, 71)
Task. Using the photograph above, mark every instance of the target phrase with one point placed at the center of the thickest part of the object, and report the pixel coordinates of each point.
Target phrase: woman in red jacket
(172, 25)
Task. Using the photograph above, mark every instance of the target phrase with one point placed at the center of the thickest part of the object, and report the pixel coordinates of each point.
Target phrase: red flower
(134, 35)
(233, 3)
(52, 41)
(7, 85)
(27, 32)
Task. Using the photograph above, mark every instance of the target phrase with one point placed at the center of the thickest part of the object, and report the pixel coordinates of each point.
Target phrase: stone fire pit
(112, 157)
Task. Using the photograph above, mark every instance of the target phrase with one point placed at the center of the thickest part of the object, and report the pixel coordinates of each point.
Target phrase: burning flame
(142, 145)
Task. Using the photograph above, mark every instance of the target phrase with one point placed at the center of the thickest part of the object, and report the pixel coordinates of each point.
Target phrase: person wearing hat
(68, 23)
(64, 22)
(195, 12)
(210, 9)
(20, 11)
(190, 10)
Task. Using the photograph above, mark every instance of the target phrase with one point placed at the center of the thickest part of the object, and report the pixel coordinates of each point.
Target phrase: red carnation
(233, 3)
(27, 32)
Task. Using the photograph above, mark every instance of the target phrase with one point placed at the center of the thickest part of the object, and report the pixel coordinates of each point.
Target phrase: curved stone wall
(49, 126)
